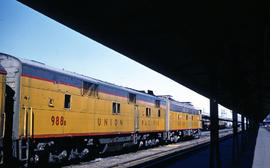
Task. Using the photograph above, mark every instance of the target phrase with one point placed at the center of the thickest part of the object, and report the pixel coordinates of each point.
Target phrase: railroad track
(207, 133)
(160, 157)
(173, 154)
(153, 156)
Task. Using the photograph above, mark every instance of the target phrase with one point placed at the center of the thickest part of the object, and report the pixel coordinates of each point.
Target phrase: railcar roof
(2, 69)
(181, 104)
(76, 75)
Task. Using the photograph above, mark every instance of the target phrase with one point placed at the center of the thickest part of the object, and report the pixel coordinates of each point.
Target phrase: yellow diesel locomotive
(54, 115)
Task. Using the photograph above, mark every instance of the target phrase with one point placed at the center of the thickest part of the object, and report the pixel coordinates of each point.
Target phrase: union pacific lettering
(113, 122)
(149, 123)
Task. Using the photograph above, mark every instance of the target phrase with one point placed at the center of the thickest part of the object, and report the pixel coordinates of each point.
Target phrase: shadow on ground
(238, 155)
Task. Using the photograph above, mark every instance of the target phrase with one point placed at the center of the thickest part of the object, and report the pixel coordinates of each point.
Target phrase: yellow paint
(87, 114)
(156, 149)
(2, 104)
(173, 145)
(180, 120)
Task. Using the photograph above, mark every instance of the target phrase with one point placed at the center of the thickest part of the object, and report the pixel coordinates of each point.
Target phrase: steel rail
(164, 156)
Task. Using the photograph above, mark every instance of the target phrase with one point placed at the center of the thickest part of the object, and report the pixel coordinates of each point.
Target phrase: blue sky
(28, 34)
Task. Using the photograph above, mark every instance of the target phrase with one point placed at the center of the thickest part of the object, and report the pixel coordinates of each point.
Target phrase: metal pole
(234, 122)
(247, 124)
(242, 122)
(243, 132)
(235, 150)
(214, 134)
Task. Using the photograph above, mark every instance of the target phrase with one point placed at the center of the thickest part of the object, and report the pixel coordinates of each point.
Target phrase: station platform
(262, 149)
(250, 150)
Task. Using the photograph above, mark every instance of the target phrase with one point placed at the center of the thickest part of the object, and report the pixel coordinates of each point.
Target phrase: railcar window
(191, 117)
(132, 98)
(186, 117)
(158, 113)
(67, 101)
(157, 102)
(116, 108)
(148, 112)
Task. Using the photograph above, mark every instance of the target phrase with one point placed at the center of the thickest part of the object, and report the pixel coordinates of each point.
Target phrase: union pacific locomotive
(53, 115)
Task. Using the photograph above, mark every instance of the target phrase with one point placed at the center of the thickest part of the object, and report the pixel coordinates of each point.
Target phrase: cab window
(116, 108)
(67, 101)
(148, 112)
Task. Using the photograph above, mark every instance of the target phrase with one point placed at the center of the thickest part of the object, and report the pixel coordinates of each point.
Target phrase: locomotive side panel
(85, 115)
(183, 118)
(185, 121)
(41, 104)
(108, 111)
(79, 117)
(180, 121)
(113, 115)
(151, 117)
(193, 121)
(172, 119)
(161, 119)
(196, 121)
(146, 117)
(2, 103)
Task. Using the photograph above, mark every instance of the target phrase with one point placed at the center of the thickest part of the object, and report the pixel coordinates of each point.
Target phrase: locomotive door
(28, 112)
(28, 122)
(136, 118)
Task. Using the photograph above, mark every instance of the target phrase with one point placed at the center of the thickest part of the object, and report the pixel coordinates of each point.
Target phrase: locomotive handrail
(31, 122)
(24, 122)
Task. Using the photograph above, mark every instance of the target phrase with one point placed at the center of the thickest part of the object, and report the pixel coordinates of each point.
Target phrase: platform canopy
(202, 45)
